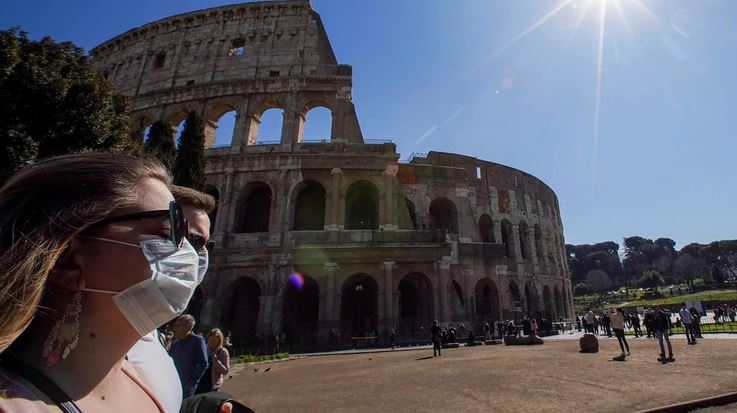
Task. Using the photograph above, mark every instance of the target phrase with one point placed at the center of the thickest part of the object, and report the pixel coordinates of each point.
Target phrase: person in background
(219, 363)
(190, 355)
(661, 327)
(435, 333)
(617, 320)
(687, 321)
(696, 321)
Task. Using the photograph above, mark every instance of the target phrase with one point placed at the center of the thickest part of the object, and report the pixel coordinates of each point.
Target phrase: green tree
(189, 168)
(687, 268)
(598, 281)
(52, 102)
(160, 144)
(580, 289)
(651, 279)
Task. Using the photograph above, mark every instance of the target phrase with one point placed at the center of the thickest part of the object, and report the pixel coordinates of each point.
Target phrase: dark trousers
(690, 337)
(622, 341)
(436, 348)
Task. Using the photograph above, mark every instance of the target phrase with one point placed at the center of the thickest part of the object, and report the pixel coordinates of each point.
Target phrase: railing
(369, 237)
(377, 141)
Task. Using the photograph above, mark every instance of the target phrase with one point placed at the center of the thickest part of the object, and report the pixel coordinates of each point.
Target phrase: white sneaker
(628, 353)
(622, 355)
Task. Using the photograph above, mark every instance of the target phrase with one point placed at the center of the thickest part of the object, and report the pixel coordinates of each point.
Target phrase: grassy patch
(250, 358)
(717, 295)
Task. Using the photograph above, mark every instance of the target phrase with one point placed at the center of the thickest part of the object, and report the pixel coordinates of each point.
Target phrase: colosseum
(324, 241)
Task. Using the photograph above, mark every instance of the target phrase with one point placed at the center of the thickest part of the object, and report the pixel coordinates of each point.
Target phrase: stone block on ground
(450, 345)
(522, 341)
(589, 343)
(492, 342)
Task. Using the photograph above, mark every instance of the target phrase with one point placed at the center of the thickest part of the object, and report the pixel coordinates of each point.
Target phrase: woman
(617, 320)
(219, 363)
(92, 258)
(534, 327)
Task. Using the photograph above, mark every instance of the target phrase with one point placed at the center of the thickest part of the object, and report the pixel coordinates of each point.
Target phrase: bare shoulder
(19, 395)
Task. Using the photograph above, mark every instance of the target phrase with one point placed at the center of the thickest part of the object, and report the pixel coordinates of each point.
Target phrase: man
(148, 354)
(435, 332)
(606, 321)
(687, 320)
(189, 352)
(649, 323)
(589, 317)
(696, 321)
(635, 321)
(661, 331)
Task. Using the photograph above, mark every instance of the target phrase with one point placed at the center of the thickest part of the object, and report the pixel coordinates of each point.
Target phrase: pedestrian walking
(435, 332)
(617, 321)
(660, 326)
(687, 320)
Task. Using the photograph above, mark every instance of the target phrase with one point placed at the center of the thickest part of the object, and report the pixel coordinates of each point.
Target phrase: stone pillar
(227, 208)
(294, 121)
(335, 218)
(241, 129)
(497, 231)
(389, 290)
(444, 276)
(327, 301)
(388, 220)
(515, 243)
(530, 239)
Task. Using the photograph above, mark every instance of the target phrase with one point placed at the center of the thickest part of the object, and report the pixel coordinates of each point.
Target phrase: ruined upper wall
(241, 41)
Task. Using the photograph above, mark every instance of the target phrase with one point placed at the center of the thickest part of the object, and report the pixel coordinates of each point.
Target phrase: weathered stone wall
(380, 244)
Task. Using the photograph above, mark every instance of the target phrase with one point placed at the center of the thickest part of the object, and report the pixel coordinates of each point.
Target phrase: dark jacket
(661, 321)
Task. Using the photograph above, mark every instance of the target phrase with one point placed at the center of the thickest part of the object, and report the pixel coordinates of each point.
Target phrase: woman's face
(114, 267)
(213, 341)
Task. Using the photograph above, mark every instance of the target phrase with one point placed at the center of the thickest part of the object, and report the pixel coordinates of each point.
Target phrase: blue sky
(635, 128)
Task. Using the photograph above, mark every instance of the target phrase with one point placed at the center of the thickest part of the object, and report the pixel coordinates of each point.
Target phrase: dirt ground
(554, 377)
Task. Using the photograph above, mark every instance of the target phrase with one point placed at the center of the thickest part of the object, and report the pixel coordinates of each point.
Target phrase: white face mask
(159, 299)
(204, 261)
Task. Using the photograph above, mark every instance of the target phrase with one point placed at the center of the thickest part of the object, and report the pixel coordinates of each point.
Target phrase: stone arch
(362, 206)
(274, 121)
(559, 305)
(196, 303)
(416, 302)
(309, 206)
(455, 297)
(316, 123)
(301, 301)
(532, 300)
(241, 312)
(550, 244)
(524, 239)
(486, 227)
(139, 126)
(538, 235)
(359, 306)
(487, 299)
(517, 302)
(219, 115)
(213, 191)
(507, 239)
(548, 304)
(444, 215)
(253, 209)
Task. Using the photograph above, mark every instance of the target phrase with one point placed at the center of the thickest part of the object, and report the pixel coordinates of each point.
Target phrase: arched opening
(456, 300)
(309, 207)
(550, 246)
(486, 227)
(412, 212)
(524, 247)
(301, 309)
(532, 301)
(362, 206)
(359, 306)
(443, 215)
(318, 124)
(142, 135)
(241, 312)
(266, 128)
(487, 299)
(254, 208)
(219, 131)
(517, 304)
(559, 308)
(507, 238)
(212, 191)
(415, 303)
(539, 242)
(549, 305)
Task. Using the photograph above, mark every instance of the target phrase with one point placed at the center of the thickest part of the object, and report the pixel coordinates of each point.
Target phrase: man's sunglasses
(199, 242)
(179, 226)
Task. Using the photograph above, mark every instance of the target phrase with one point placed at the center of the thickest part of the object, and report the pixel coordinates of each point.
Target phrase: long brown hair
(42, 208)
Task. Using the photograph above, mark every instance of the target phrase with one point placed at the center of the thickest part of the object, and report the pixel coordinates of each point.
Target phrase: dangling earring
(65, 333)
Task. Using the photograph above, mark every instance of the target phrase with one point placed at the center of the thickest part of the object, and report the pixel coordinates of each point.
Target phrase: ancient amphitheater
(332, 239)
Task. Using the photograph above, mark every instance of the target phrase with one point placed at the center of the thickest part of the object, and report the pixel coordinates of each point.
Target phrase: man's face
(181, 328)
(199, 222)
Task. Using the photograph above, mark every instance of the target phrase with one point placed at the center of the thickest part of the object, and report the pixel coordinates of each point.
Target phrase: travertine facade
(378, 243)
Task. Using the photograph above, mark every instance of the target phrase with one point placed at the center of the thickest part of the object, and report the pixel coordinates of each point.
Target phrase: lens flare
(297, 280)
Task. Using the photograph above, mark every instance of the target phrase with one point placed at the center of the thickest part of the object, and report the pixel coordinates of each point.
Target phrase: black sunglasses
(179, 226)
(199, 242)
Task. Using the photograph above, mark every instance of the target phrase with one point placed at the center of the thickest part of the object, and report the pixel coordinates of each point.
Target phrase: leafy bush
(580, 289)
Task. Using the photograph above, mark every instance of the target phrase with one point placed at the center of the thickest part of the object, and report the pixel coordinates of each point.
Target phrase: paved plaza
(554, 377)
